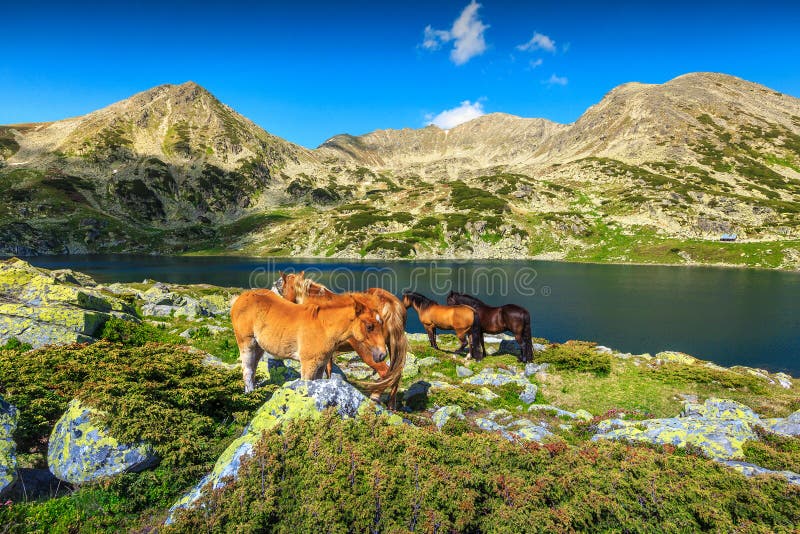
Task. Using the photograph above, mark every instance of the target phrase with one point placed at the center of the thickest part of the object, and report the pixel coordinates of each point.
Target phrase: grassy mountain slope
(652, 173)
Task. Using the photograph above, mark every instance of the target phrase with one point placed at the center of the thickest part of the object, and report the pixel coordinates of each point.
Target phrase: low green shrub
(576, 356)
(780, 453)
(16, 345)
(365, 476)
(132, 334)
(158, 393)
(678, 373)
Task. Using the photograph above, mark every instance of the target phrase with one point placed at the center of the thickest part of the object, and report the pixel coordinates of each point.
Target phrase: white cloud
(539, 41)
(556, 80)
(450, 118)
(535, 63)
(466, 34)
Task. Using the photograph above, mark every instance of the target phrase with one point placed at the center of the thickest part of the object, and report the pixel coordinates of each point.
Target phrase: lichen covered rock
(718, 427)
(8, 449)
(500, 377)
(717, 438)
(43, 307)
(82, 451)
(751, 470)
(512, 428)
(297, 400)
(443, 414)
(721, 409)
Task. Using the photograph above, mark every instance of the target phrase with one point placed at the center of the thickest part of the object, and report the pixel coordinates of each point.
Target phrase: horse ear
(283, 275)
(302, 274)
(358, 306)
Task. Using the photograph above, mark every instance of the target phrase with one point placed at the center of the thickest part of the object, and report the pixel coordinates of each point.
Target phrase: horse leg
(432, 336)
(250, 353)
(329, 369)
(312, 368)
(464, 342)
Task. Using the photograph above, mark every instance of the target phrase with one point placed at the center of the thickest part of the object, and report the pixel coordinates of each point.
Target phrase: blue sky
(308, 70)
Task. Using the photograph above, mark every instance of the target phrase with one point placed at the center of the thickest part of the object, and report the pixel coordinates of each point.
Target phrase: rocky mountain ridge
(652, 173)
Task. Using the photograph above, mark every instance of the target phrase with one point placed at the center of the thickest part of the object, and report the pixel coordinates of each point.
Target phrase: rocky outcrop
(43, 307)
(500, 377)
(513, 428)
(80, 450)
(445, 413)
(296, 400)
(8, 448)
(161, 301)
(718, 427)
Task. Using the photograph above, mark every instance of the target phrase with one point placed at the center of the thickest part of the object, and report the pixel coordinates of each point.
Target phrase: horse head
(367, 328)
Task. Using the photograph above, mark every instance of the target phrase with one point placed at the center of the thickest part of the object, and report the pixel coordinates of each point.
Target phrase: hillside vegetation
(652, 173)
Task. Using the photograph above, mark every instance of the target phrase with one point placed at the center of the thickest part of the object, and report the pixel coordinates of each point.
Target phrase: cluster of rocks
(161, 301)
(42, 307)
(718, 427)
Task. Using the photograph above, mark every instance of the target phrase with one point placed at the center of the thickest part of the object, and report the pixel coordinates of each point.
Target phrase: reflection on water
(730, 316)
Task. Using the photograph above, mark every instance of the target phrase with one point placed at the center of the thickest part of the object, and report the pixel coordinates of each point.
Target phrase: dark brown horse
(494, 320)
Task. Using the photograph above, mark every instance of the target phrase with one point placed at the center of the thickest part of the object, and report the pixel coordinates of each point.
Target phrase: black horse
(494, 320)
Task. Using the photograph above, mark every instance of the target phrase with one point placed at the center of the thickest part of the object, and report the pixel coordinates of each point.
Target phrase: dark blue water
(730, 316)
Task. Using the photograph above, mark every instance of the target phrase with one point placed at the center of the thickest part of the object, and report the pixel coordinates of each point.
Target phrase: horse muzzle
(378, 355)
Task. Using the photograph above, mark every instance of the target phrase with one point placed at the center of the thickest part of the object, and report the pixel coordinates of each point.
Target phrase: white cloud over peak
(450, 118)
(466, 35)
(556, 80)
(539, 41)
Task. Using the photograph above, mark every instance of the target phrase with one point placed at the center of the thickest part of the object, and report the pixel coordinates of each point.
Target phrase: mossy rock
(81, 450)
(297, 400)
(8, 448)
(43, 307)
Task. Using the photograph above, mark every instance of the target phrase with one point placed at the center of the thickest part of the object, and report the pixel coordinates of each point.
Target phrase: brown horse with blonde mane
(463, 319)
(297, 288)
(263, 321)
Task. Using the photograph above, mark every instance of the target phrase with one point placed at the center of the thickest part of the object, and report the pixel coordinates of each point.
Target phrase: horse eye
(370, 327)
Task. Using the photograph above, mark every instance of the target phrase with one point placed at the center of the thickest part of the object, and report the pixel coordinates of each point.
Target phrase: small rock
(427, 362)
(549, 408)
(784, 380)
(463, 372)
(750, 470)
(583, 415)
(443, 414)
(528, 395)
(533, 368)
(675, 357)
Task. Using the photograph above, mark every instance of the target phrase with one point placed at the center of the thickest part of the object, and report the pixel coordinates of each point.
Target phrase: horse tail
(527, 342)
(476, 348)
(394, 317)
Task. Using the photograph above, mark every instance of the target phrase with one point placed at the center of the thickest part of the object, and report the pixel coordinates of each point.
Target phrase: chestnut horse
(297, 288)
(494, 320)
(263, 321)
(463, 319)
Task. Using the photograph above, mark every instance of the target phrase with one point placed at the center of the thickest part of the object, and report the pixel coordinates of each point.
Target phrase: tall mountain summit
(650, 173)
